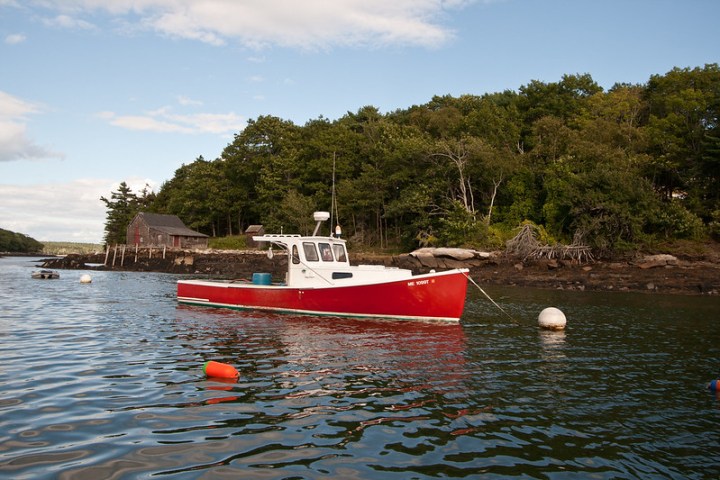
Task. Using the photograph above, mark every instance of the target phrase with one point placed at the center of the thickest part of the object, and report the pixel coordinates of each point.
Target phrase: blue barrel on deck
(261, 279)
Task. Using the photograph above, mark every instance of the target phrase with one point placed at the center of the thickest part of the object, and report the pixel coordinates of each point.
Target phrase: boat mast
(333, 205)
(332, 196)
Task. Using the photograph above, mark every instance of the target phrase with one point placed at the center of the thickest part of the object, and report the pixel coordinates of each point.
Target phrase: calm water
(104, 380)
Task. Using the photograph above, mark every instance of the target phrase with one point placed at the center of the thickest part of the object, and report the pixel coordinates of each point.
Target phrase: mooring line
(488, 297)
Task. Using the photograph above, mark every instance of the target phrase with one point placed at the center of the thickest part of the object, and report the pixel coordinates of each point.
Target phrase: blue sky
(95, 92)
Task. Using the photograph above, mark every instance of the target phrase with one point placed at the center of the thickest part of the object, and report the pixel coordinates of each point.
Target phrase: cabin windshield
(325, 252)
(310, 252)
(329, 252)
(339, 250)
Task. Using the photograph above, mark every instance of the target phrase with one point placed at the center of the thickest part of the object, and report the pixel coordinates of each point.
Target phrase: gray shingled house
(154, 229)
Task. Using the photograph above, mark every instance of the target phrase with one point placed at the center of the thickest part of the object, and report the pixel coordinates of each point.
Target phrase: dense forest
(614, 170)
(11, 242)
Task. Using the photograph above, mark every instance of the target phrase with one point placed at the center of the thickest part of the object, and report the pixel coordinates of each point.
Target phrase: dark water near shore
(104, 380)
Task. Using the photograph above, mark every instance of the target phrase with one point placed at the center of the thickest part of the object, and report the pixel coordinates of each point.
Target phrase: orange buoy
(220, 370)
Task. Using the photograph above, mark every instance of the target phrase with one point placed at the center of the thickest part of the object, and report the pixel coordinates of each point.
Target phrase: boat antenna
(332, 195)
(333, 203)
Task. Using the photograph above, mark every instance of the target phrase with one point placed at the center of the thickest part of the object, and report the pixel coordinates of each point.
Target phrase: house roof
(170, 224)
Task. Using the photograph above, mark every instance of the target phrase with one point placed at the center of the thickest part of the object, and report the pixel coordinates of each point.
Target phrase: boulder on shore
(445, 258)
(654, 261)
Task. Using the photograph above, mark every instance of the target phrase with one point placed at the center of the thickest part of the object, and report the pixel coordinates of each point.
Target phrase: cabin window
(295, 255)
(310, 252)
(325, 252)
(339, 251)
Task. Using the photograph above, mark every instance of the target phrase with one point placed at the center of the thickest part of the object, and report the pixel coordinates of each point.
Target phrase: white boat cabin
(318, 261)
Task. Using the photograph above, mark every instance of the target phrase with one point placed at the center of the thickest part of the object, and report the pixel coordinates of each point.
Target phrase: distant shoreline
(699, 276)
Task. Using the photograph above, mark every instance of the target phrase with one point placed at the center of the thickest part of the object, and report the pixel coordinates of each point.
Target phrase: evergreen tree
(122, 207)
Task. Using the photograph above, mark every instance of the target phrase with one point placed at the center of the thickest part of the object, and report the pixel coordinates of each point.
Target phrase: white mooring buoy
(85, 278)
(552, 318)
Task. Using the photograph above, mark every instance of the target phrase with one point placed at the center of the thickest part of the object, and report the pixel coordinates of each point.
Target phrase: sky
(97, 92)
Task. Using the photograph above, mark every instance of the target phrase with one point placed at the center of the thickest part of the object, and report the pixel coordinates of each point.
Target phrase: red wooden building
(154, 229)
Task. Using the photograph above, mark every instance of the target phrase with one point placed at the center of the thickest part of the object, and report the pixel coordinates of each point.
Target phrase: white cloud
(13, 107)
(15, 144)
(187, 101)
(307, 24)
(147, 123)
(15, 38)
(14, 141)
(165, 121)
(66, 21)
(70, 212)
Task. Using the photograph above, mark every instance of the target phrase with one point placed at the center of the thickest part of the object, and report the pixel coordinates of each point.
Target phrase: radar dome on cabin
(321, 216)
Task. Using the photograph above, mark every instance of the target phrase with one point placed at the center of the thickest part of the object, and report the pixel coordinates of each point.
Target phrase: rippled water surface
(104, 380)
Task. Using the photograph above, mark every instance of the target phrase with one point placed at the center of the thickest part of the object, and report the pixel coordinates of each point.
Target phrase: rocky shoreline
(663, 274)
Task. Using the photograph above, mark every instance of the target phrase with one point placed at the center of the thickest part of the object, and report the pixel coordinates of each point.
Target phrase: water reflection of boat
(423, 342)
(318, 354)
(45, 274)
(362, 360)
(321, 281)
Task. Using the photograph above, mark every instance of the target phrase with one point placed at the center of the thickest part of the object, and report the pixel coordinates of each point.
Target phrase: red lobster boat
(321, 281)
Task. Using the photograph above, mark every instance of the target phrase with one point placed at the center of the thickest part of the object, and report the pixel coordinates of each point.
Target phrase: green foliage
(234, 242)
(122, 207)
(565, 155)
(541, 234)
(714, 226)
(295, 214)
(494, 238)
(684, 108)
(598, 206)
(459, 228)
(12, 242)
(522, 199)
(673, 220)
(426, 239)
(66, 248)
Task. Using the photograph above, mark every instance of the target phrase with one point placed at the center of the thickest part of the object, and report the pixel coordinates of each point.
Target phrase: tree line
(613, 170)
(12, 242)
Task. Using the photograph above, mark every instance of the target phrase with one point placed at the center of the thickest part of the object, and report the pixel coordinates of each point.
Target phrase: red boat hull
(437, 296)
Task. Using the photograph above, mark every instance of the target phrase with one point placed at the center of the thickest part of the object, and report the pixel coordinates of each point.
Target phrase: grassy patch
(234, 242)
(66, 248)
